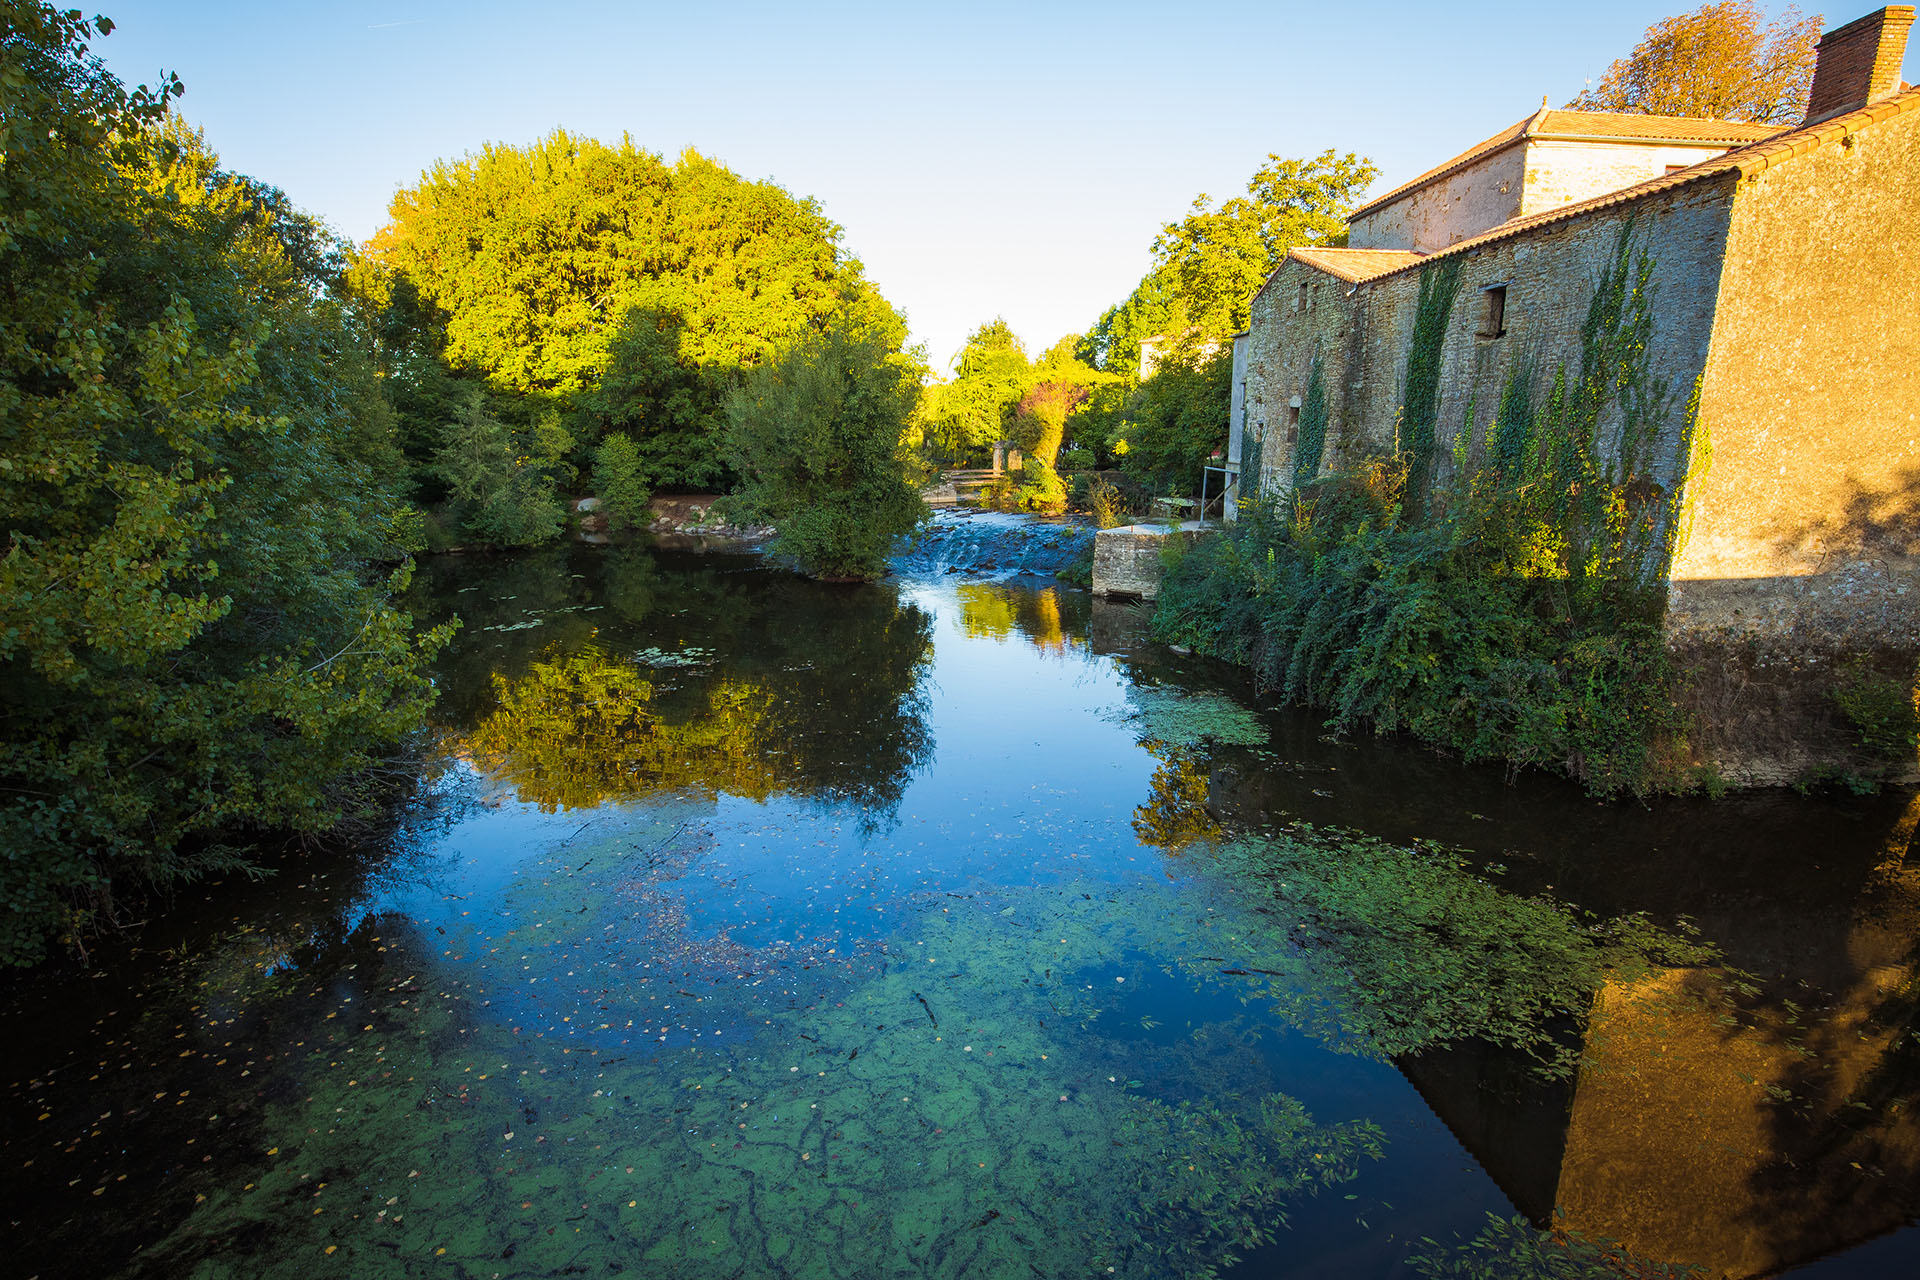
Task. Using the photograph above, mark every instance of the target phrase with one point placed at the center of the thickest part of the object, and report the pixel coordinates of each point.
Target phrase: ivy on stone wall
(1439, 285)
(1513, 429)
(1311, 443)
(1514, 616)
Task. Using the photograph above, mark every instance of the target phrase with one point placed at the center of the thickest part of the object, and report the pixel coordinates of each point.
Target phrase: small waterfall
(991, 544)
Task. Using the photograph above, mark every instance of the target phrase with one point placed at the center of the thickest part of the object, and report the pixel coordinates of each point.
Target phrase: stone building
(1775, 410)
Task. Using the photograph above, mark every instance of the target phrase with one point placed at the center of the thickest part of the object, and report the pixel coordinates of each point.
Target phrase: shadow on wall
(1770, 659)
(1871, 521)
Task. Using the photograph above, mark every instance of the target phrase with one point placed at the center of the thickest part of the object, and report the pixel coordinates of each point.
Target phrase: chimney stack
(1859, 63)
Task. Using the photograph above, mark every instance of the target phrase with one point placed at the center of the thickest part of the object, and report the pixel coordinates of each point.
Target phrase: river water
(752, 927)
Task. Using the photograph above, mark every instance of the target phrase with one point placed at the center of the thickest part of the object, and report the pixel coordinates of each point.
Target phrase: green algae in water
(1179, 717)
(1382, 949)
(943, 1101)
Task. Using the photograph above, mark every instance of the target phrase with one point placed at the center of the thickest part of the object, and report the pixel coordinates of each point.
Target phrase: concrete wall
(1236, 429)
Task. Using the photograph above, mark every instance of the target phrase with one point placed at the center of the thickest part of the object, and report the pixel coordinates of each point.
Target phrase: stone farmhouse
(1776, 405)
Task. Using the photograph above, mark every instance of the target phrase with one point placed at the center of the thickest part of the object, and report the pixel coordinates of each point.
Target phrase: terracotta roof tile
(1356, 265)
(1548, 124)
(1637, 128)
(1743, 162)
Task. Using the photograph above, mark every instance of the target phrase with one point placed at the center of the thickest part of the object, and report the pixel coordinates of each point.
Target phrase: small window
(1300, 303)
(1493, 320)
(1293, 423)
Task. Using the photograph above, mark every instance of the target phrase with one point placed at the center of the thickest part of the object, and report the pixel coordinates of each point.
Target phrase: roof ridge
(1732, 133)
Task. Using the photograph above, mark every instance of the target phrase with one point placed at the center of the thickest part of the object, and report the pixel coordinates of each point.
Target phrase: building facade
(1773, 281)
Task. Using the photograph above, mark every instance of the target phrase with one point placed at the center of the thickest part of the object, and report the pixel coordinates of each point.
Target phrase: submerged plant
(1383, 949)
(1512, 1249)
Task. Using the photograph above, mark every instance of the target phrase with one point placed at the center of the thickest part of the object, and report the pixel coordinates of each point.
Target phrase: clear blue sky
(985, 158)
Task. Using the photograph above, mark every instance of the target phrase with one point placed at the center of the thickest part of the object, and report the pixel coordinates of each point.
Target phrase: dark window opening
(1300, 303)
(1293, 423)
(1493, 321)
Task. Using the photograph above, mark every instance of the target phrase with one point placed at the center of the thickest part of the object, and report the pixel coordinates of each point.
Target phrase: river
(744, 926)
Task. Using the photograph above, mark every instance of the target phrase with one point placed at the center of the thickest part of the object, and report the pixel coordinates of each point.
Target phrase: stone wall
(1126, 561)
(1785, 360)
(1470, 200)
(1808, 516)
(1281, 343)
(1363, 334)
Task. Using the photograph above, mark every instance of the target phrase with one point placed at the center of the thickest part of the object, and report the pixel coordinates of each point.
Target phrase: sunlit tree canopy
(1721, 61)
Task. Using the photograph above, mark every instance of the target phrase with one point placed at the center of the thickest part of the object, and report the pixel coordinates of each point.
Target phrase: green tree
(619, 478)
(1215, 259)
(817, 434)
(974, 409)
(1113, 343)
(1061, 384)
(625, 291)
(500, 493)
(1721, 61)
(193, 476)
(1175, 420)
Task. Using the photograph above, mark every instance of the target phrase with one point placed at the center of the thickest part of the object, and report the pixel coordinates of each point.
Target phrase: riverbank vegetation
(198, 476)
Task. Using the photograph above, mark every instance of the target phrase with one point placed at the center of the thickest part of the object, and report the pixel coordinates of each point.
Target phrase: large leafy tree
(616, 287)
(974, 408)
(1722, 61)
(1196, 296)
(194, 463)
(819, 436)
(1216, 258)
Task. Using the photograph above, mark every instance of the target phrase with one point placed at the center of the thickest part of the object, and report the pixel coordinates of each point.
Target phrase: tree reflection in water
(993, 610)
(655, 675)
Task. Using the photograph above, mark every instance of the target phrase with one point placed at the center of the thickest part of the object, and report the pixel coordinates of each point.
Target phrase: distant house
(1779, 393)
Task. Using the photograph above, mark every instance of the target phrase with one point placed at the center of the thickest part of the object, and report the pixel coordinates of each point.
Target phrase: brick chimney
(1859, 63)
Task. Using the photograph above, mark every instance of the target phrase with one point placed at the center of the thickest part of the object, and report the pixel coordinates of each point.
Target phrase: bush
(620, 482)
(1106, 503)
(1883, 710)
(1461, 631)
(1037, 487)
(817, 434)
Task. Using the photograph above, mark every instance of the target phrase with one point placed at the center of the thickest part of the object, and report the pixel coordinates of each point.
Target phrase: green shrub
(1883, 710)
(620, 480)
(1106, 503)
(1037, 487)
(1466, 632)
